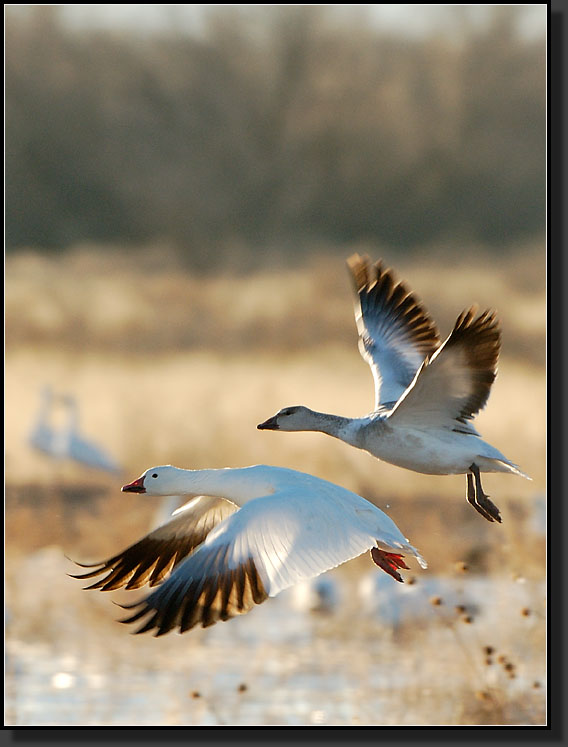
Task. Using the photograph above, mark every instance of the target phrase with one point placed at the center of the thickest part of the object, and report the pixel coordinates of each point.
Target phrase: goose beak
(135, 487)
(269, 425)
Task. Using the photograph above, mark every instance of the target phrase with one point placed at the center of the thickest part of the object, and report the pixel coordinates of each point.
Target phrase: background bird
(56, 433)
(80, 449)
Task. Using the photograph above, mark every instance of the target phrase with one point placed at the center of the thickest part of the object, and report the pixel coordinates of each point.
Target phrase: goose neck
(237, 485)
(334, 425)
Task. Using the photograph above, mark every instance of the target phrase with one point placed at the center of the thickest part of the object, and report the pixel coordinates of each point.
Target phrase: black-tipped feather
(453, 384)
(480, 338)
(151, 559)
(204, 595)
(396, 332)
(392, 305)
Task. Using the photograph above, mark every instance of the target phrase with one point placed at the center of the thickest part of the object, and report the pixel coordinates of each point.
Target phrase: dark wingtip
(125, 606)
(358, 266)
(85, 565)
(90, 574)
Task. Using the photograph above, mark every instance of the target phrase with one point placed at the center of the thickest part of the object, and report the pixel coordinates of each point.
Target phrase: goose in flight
(245, 534)
(426, 393)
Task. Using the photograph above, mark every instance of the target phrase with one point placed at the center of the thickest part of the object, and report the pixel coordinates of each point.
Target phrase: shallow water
(235, 675)
(279, 664)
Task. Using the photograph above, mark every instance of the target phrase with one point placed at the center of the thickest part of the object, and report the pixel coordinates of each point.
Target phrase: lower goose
(245, 535)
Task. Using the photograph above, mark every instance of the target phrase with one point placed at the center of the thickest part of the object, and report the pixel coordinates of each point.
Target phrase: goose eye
(154, 475)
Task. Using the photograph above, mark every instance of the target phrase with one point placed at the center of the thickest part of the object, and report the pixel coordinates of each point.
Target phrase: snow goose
(78, 448)
(425, 392)
(245, 535)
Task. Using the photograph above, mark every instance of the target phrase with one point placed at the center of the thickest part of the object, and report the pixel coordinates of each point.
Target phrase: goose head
(164, 480)
(297, 418)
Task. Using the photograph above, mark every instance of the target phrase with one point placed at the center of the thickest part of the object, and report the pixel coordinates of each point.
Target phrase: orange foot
(389, 562)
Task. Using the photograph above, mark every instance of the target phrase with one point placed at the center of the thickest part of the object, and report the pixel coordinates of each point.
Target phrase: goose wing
(396, 332)
(454, 383)
(268, 545)
(150, 559)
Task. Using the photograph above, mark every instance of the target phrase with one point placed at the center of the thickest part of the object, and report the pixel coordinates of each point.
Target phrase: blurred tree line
(277, 129)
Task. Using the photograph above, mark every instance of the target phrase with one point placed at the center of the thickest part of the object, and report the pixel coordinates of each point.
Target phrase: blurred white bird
(79, 449)
(265, 529)
(538, 520)
(43, 436)
(320, 595)
(64, 441)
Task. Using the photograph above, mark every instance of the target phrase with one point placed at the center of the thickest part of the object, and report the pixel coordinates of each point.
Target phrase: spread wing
(454, 384)
(268, 545)
(396, 332)
(151, 559)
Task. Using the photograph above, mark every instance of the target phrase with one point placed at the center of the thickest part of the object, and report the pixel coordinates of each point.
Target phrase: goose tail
(501, 465)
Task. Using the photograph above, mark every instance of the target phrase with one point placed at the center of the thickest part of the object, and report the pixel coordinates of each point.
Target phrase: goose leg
(389, 562)
(470, 495)
(489, 509)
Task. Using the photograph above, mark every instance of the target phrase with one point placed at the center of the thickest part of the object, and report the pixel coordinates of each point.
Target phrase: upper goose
(425, 392)
(259, 530)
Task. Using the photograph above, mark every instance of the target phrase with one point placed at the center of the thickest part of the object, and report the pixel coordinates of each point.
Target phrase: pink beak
(135, 487)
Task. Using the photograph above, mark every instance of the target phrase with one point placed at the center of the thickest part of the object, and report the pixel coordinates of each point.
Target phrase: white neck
(237, 485)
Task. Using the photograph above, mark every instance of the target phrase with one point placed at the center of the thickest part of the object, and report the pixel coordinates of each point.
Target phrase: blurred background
(183, 186)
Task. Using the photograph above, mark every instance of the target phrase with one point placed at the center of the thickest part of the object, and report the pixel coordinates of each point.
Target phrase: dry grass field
(170, 366)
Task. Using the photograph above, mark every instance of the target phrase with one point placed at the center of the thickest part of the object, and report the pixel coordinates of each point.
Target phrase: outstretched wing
(396, 332)
(268, 545)
(150, 559)
(454, 384)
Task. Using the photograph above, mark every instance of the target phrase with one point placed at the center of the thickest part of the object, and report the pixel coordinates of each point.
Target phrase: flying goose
(245, 535)
(426, 393)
